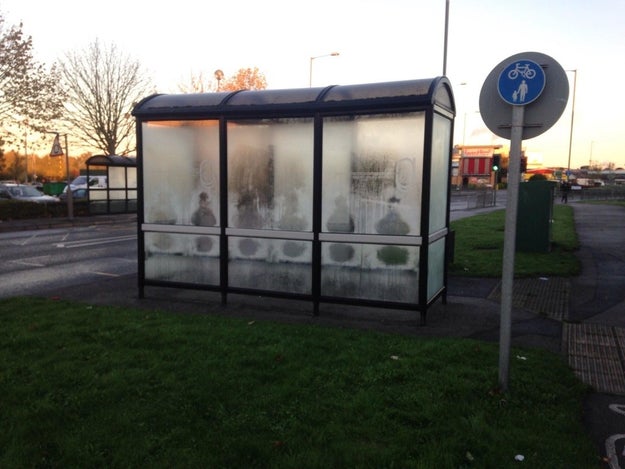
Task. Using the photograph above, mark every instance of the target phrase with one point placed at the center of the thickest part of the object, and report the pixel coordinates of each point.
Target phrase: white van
(80, 182)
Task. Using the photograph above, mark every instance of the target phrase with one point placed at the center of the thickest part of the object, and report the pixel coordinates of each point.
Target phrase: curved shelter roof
(397, 95)
(111, 160)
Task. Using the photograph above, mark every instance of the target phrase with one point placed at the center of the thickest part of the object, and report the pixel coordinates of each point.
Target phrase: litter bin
(54, 188)
(534, 216)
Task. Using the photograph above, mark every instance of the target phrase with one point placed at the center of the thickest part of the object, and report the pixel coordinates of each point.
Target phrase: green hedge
(18, 210)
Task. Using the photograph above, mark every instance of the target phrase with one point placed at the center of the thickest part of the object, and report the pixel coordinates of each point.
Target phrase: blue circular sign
(521, 82)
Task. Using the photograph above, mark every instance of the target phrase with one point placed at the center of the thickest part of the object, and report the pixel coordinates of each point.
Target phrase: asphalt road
(37, 261)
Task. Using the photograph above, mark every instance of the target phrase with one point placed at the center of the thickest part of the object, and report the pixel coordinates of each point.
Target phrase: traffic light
(496, 162)
(523, 164)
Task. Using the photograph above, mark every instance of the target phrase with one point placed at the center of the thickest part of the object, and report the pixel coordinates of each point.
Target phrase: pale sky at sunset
(378, 40)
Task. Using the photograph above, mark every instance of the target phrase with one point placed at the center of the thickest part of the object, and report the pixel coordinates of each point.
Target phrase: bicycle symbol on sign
(524, 70)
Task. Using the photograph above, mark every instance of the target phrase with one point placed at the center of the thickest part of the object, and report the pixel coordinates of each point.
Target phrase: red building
(475, 165)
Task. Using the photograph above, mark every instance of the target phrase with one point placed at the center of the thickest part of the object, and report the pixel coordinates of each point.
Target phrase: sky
(377, 41)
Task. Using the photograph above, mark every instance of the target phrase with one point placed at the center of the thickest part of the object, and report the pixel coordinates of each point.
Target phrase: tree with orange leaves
(244, 79)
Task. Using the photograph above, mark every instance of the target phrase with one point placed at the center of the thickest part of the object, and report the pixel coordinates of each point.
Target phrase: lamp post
(568, 167)
(592, 144)
(219, 75)
(26, 150)
(331, 54)
(445, 39)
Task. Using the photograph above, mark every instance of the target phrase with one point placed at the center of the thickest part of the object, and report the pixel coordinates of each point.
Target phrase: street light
(592, 144)
(332, 54)
(445, 38)
(219, 75)
(568, 172)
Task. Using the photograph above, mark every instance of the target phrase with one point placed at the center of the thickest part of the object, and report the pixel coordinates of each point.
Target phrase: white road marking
(95, 242)
(610, 448)
(29, 263)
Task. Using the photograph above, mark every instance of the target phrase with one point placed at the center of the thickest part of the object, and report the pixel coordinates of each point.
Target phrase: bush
(19, 210)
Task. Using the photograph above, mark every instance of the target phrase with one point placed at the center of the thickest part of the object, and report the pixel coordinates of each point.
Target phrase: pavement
(581, 318)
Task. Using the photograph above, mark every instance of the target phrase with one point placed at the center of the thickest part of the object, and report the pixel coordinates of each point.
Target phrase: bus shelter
(336, 194)
(119, 194)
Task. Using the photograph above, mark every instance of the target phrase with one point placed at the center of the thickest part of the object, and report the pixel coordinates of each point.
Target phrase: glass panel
(436, 266)
(440, 173)
(372, 172)
(117, 177)
(181, 172)
(182, 258)
(132, 177)
(97, 194)
(368, 271)
(270, 264)
(116, 194)
(270, 174)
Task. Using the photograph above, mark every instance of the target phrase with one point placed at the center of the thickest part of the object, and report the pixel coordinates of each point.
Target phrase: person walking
(565, 187)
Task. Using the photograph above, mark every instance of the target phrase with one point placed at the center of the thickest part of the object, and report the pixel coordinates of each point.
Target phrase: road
(40, 261)
(36, 262)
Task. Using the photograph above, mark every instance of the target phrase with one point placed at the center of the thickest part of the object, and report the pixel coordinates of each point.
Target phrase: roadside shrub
(19, 210)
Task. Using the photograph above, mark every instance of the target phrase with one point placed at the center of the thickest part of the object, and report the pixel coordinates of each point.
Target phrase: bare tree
(29, 93)
(197, 84)
(103, 86)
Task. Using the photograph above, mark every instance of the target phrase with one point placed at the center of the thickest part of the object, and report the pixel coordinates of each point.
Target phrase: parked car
(25, 193)
(80, 182)
(77, 194)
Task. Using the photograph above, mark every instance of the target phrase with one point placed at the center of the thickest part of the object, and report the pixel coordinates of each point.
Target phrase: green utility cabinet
(535, 216)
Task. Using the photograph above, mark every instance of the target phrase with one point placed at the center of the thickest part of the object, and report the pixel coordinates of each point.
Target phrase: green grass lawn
(86, 386)
(479, 247)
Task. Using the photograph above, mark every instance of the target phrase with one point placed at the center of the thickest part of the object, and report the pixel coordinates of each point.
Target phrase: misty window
(181, 172)
(270, 174)
(372, 171)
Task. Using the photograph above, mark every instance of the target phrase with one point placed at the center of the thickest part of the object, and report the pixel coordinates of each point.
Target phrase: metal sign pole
(509, 244)
(57, 150)
(517, 82)
(70, 196)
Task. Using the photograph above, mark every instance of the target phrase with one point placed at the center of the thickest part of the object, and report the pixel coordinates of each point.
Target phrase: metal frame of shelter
(120, 193)
(272, 163)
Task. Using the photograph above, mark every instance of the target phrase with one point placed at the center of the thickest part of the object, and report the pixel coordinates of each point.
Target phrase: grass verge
(479, 247)
(87, 386)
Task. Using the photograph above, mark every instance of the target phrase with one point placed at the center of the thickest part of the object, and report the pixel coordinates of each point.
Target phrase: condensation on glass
(338, 194)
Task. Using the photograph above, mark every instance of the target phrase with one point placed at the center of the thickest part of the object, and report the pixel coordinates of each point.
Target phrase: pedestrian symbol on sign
(521, 82)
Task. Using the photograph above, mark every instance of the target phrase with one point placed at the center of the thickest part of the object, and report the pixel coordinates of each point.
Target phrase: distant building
(474, 165)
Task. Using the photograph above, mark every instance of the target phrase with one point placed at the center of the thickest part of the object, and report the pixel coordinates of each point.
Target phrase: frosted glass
(439, 175)
(368, 271)
(270, 264)
(182, 258)
(270, 174)
(181, 172)
(117, 177)
(436, 265)
(372, 173)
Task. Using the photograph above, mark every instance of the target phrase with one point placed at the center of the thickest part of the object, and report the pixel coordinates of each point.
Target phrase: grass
(87, 386)
(479, 247)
